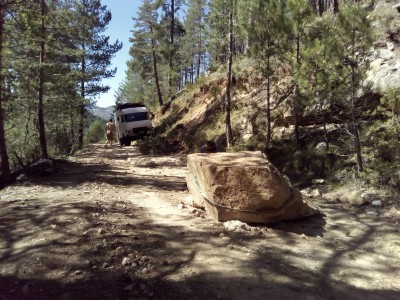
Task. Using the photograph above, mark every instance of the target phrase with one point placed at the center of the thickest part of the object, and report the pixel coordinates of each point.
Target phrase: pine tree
(298, 13)
(228, 126)
(95, 52)
(5, 166)
(265, 24)
(145, 46)
(217, 31)
(170, 29)
(317, 74)
(193, 49)
(355, 40)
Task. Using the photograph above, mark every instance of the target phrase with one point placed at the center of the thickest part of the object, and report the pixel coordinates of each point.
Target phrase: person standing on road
(110, 129)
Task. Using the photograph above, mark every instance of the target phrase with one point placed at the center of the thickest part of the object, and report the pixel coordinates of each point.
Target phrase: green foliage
(390, 103)
(49, 95)
(95, 132)
(153, 145)
(254, 143)
(215, 90)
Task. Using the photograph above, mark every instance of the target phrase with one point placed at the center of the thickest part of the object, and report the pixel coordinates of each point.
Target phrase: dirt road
(110, 225)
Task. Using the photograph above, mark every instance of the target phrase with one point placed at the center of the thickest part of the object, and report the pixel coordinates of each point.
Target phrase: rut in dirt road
(110, 225)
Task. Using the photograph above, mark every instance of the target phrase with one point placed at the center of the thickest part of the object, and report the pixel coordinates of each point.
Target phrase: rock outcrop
(243, 186)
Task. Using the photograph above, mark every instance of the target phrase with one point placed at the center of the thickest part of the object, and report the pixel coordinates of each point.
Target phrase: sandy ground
(110, 225)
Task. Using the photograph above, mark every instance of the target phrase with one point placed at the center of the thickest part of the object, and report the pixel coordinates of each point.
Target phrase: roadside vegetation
(288, 78)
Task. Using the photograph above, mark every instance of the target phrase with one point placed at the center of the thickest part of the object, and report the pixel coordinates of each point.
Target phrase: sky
(119, 28)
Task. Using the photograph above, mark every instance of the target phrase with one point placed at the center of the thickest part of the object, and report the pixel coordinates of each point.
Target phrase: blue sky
(119, 28)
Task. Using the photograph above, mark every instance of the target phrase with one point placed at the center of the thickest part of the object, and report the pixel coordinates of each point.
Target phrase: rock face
(384, 68)
(243, 186)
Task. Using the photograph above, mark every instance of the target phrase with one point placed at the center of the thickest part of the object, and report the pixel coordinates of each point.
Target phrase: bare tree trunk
(269, 130)
(5, 165)
(160, 100)
(198, 60)
(335, 6)
(296, 97)
(357, 143)
(228, 127)
(320, 7)
(171, 56)
(42, 131)
(82, 106)
(326, 136)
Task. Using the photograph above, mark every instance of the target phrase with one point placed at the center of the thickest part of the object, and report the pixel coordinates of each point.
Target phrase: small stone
(78, 272)
(306, 191)
(315, 193)
(372, 213)
(126, 261)
(145, 271)
(181, 206)
(97, 247)
(105, 265)
(366, 196)
(377, 203)
(318, 181)
(355, 198)
(21, 177)
(100, 231)
(145, 259)
(129, 288)
(165, 263)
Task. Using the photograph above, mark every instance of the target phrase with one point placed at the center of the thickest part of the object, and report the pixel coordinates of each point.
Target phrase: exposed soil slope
(109, 225)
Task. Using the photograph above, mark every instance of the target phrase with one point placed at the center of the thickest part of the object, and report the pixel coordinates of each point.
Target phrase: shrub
(95, 132)
(152, 145)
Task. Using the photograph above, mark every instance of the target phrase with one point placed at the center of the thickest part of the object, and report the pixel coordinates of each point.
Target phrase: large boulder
(243, 186)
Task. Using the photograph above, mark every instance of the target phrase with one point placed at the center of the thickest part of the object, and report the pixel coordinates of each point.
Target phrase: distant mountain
(104, 113)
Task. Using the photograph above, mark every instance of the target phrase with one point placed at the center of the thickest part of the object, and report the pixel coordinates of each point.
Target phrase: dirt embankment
(109, 225)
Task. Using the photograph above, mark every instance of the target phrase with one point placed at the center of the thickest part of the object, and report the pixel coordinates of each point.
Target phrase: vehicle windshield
(139, 116)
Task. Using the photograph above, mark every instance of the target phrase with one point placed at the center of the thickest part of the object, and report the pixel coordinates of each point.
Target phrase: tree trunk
(5, 165)
(326, 136)
(198, 59)
(320, 7)
(160, 100)
(42, 131)
(269, 131)
(356, 129)
(171, 56)
(228, 128)
(82, 106)
(335, 6)
(296, 119)
(357, 143)
(296, 98)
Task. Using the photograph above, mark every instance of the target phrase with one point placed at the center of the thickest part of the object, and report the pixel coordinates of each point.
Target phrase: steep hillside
(197, 115)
